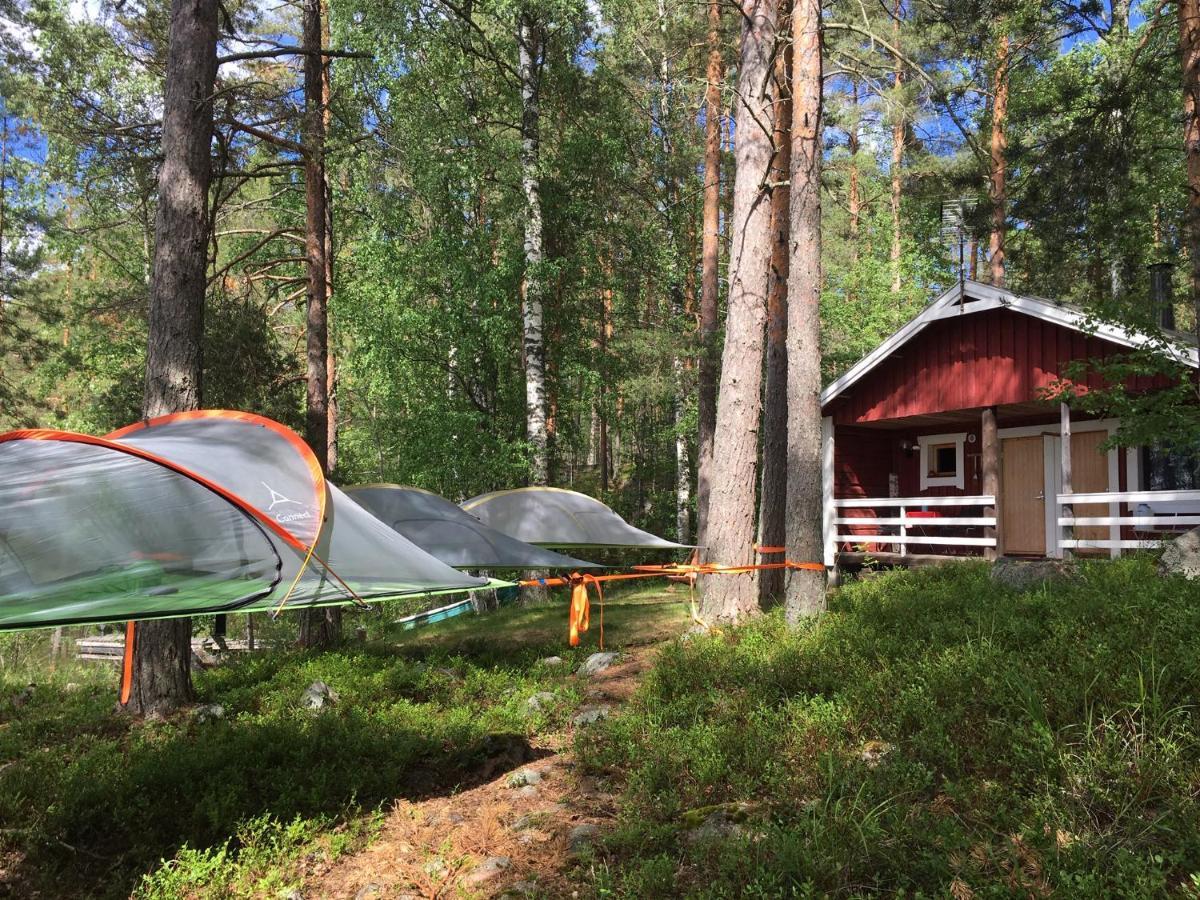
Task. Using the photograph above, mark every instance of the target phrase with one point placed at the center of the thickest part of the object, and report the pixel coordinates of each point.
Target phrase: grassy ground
(91, 802)
(933, 735)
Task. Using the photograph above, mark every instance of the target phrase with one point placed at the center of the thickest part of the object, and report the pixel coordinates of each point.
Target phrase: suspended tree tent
(555, 517)
(454, 536)
(190, 514)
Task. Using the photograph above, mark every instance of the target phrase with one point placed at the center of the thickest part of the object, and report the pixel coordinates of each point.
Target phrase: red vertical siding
(968, 362)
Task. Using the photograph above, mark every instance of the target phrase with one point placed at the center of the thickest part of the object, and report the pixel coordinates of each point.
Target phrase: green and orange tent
(204, 512)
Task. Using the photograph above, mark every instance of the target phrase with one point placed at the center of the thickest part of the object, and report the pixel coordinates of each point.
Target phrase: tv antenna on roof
(955, 214)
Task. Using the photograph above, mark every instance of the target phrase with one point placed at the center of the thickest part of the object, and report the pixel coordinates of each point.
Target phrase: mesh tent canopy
(195, 513)
(453, 535)
(556, 517)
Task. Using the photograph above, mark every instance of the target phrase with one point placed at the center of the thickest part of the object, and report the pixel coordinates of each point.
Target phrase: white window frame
(931, 440)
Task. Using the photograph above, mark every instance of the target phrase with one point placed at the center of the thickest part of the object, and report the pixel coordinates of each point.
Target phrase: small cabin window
(1170, 469)
(942, 460)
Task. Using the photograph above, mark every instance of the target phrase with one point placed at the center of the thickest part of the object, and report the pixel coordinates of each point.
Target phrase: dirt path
(504, 837)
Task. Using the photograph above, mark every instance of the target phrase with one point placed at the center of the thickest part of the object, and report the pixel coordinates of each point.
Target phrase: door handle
(1041, 495)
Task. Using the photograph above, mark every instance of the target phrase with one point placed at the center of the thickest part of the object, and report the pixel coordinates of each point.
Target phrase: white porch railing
(903, 520)
(1153, 511)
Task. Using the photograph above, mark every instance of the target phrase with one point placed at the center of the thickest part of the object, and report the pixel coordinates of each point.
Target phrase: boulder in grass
(597, 663)
(1182, 556)
(317, 696)
(1027, 574)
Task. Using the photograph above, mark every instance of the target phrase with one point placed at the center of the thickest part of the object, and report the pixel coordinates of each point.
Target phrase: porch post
(1066, 532)
(828, 512)
(990, 439)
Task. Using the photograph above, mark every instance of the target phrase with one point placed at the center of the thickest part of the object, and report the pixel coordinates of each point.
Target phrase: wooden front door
(1089, 475)
(1023, 495)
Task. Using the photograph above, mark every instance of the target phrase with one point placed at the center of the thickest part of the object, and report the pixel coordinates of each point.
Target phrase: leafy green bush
(934, 732)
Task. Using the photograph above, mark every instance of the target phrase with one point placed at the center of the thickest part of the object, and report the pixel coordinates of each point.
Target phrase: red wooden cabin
(940, 442)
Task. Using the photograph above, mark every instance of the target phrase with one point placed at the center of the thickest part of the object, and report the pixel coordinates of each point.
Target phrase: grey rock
(529, 820)
(1182, 556)
(539, 701)
(209, 712)
(521, 889)
(527, 791)
(368, 891)
(551, 661)
(1025, 574)
(590, 715)
(597, 663)
(204, 657)
(293, 894)
(487, 870)
(583, 836)
(318, 695)
(523, 777)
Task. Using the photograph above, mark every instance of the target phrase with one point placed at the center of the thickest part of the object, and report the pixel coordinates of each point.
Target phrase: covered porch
(1020, 479)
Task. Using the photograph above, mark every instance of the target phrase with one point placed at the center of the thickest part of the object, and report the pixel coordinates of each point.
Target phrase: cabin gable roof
(971, 298)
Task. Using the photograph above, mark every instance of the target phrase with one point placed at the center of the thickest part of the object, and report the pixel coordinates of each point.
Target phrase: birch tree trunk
(731, 506)
(998, 185)
(529, 73)
(772, 509)
(710, 256)
(318, 627)
(805, 588)
(899, 129)
(162, 677)
(1189, 50)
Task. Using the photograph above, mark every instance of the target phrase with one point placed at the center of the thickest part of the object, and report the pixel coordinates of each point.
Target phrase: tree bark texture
(331, 452)
(529, 74)
(710, 259)
(772, 501)
(805, 593)
(998, 185)
(899, 130)
(162, 678)
(318, 627)
(1189, 49)
(731, 504)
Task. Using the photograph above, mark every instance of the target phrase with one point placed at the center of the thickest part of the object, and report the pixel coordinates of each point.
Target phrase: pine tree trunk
(318, 627)
(162, 677)
(710, 256)
(731, 504)
(529, 73)
(1189, 49)
(805, 588)
(899, 129)
(772, 503)
(331, 452)
(998, 185)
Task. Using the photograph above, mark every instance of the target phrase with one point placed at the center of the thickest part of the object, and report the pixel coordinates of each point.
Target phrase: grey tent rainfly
(441, 528)
(192, 513)
(556, 517)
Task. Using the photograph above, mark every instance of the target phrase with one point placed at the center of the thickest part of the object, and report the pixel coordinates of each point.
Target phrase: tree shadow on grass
(91, 809)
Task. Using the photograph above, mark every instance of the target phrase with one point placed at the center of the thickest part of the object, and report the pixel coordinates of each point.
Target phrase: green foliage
(93, 801)
(933, 733)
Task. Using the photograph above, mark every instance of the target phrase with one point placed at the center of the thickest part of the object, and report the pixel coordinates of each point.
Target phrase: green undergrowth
(934, 734)
(95, 804)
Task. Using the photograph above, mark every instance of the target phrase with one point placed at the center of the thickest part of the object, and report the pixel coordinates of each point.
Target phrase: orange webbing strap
(580, 607)
(127, 665)
(580, 612)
